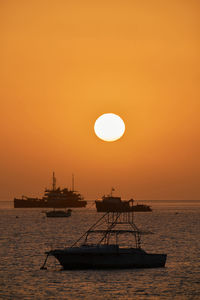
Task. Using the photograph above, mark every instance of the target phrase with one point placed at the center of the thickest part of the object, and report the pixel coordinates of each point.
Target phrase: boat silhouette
(58, 213)
(106, 252)
(53, 198)
(111, 203)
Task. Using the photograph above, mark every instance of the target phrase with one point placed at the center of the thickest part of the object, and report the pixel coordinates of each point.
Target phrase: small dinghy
(58, 213)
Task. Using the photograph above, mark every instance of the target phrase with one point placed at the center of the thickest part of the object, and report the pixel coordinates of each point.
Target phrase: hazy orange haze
(63, 63)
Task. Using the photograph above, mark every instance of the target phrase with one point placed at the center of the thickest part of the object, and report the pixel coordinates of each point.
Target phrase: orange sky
(63, 63)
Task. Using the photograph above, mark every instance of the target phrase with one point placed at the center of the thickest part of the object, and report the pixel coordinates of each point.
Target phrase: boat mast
(72, 182)
(54, 182)
(112, 190)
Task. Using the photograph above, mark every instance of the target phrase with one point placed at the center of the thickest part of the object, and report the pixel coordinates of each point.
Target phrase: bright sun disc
(109, 127)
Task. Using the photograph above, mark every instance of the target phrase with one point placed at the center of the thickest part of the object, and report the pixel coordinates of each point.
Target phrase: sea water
(25, 234)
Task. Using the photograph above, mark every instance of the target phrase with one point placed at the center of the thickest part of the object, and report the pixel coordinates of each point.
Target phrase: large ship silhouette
(53, 198)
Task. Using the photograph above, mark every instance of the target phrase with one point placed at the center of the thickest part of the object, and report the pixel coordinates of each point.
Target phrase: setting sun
(109, 127)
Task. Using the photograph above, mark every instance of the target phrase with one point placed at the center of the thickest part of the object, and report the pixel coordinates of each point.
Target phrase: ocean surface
(25, 234)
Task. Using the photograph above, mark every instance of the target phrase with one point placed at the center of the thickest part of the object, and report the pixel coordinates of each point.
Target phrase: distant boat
(104, 254)
(115, 204)
(53, 198)
(58, 213)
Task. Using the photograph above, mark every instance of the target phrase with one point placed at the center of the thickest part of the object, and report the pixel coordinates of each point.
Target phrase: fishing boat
(107, 252)
(111, 203)
(53, 198)
(58, 213)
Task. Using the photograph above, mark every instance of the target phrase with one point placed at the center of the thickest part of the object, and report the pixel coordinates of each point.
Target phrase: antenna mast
(54, 182)
(112, 190)
(72, 182)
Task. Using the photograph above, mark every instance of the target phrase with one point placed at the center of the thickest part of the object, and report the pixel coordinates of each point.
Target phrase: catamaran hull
(106, 261)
